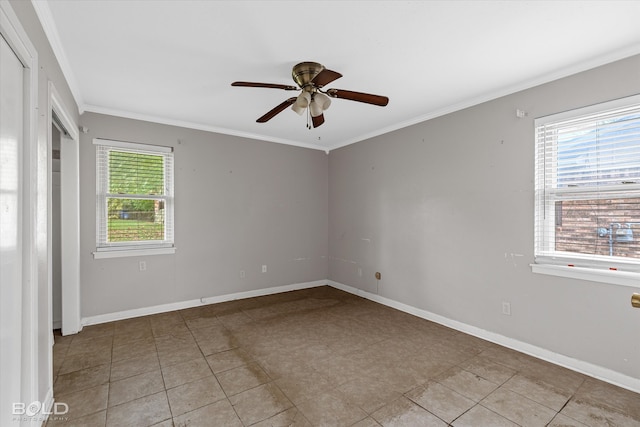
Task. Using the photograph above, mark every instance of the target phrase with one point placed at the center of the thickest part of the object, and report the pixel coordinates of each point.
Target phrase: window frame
(105, 249)
(607, 269)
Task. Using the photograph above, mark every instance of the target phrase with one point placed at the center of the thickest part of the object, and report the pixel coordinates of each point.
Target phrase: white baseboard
(586, 368)
(163, 308)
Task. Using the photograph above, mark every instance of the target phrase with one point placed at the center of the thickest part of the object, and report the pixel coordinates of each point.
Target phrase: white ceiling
(172, 61)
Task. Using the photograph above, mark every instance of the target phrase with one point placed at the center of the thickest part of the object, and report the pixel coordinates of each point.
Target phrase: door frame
(70, 213)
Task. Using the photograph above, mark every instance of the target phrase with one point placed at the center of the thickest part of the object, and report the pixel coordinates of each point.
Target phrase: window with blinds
(587, 187)
(134, 200)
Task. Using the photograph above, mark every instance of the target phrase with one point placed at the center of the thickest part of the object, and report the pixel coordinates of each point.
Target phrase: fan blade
(325, 77)
(318, 120)
(280, 108)
(267, 85)
(367, 98)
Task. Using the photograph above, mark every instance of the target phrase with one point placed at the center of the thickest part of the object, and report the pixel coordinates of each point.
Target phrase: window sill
(614, 277)
(133, 252)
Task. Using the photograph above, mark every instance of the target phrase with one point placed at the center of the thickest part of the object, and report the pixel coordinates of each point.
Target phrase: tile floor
(316, 357)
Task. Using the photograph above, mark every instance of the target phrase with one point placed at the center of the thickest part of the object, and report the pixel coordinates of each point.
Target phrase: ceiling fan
(311, 77)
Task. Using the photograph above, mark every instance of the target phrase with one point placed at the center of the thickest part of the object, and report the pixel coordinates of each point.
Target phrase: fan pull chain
(308, 119)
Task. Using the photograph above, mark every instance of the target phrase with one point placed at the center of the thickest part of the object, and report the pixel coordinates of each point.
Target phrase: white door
(11, 148)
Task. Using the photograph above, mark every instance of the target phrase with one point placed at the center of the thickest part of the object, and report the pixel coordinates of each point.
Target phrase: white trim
(51, 31)
(197, 126)
(617, 277)
(583, 367)
(121, 253)
(133, 145)
(70, 212)
(145, 311)
(577, 113)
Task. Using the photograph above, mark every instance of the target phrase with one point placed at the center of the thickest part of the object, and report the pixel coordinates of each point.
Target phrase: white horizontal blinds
(588, 184)
(594, 150)
(135, 195)
(102, 184)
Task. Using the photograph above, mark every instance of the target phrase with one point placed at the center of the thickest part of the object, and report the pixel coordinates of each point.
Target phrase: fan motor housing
(304, 72)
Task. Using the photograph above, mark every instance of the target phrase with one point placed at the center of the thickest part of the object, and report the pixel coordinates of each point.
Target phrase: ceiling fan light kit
(311, 77)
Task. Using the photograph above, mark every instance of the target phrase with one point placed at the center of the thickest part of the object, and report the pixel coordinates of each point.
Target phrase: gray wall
(444, 210)
(239, 204)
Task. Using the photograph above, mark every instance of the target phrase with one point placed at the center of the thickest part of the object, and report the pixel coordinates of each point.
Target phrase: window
(587, 189)
(134, 200)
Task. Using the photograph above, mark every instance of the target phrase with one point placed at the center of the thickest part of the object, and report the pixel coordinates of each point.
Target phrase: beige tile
(171, 342)
(259, 403)
(342, 369)
(98, 419)
(538, 392)
(135, 349)
(202, 322)
(595, 415)
(330, 409)
(242, 378)
(173, 355)
(278, 363)
(367, 422)
(134, 325)
(302, 383)
(87, 359)
(214, 339)
(163, 329)
(560, 379)
(165, 423)
(466, 383)
(292, 417)
(335, 355)
(133, 336)
(135, 366)
(180, 373)
(229, 359)
(95, 331)
(441, 401)
(220, 413)
(403, 412)
(92, 345)
(479, 416)
(62, 340)
(488, 369)
(135, 387)
(610, 396)
(564, 421)
(193, 395)
(369, 394)
(80, 380)
(145, 411)
(85, 402)
(425, 367)
(234, 320)
(518, 408)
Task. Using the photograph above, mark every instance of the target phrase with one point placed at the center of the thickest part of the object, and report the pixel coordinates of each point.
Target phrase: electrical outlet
(242, 274)
(506, 308)
(264, 268)
(359, 272)
(142, 265)
(378, 275)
